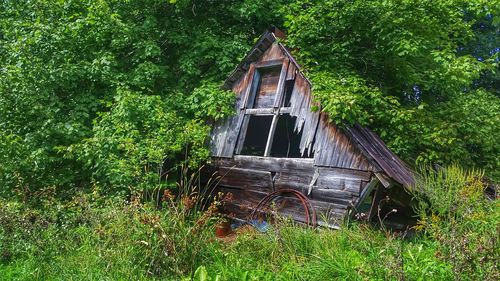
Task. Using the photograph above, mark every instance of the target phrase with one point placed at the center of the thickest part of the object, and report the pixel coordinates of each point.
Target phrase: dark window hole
(256, 135)
(286, 141)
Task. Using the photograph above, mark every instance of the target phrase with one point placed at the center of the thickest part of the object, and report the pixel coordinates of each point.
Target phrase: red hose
(268, 198)
(303, 199)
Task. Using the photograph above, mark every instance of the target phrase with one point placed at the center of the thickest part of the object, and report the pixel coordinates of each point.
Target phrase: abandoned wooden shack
(276, 143)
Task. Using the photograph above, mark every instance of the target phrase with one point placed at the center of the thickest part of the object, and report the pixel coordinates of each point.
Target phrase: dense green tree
(89, 89)
(64, 62)
(423, 74)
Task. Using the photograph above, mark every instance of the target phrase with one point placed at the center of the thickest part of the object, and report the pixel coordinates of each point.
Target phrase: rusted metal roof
(377, 151)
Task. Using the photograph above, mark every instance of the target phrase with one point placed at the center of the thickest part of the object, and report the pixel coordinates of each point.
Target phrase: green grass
(92, 238)
(354, 253)
(124, 242)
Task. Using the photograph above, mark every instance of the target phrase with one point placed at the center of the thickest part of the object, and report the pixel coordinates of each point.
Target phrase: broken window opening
(266, 131)
(286, 142)
(256, 135)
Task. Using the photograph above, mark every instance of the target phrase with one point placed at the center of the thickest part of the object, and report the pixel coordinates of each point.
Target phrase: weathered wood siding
(334, 149)
(274, 52)
(307, 121)
(332, 191)
(333, 180)
(225, 134)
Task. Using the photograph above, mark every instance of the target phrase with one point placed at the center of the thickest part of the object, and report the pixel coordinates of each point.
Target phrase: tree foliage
(421, 73)
(94, 91)
(70, 71)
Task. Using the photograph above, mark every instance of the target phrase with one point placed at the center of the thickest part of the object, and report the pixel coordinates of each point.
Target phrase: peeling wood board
(271, 164)
(245, 179)
(300, 107)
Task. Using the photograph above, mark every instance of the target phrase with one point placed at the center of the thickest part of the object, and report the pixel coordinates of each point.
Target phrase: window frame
(249, 98)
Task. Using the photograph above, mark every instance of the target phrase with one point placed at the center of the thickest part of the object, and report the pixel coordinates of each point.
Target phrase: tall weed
(455, 212)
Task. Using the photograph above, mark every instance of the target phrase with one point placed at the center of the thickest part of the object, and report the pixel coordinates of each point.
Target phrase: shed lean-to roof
(377, 151)
(369, 143)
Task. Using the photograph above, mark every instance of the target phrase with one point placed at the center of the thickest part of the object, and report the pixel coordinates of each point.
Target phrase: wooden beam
(242, 133)
(270, 137)
(386, 181)
(281, 84)
(260, 111)
(249, 95)
(284, 110)
(269, 63)
(273, 164)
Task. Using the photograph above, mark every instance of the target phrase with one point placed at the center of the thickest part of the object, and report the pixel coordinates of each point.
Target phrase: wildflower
(167, 195)
(188, 202)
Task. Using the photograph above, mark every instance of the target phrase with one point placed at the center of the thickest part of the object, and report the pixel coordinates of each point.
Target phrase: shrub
(89, 238)
(132, 142)
(455, 212)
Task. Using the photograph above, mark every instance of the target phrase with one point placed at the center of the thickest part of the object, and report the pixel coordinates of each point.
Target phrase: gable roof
(264, 42)
(369, 143)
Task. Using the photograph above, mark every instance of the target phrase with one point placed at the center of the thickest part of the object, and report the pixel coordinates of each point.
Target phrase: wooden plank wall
(332, 148)
(249, 178)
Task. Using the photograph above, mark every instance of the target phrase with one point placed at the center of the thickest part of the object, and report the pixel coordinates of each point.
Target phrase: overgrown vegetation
(94, 238)
(101, 92)
(454, 211)
(102, 101)
(423, 74)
